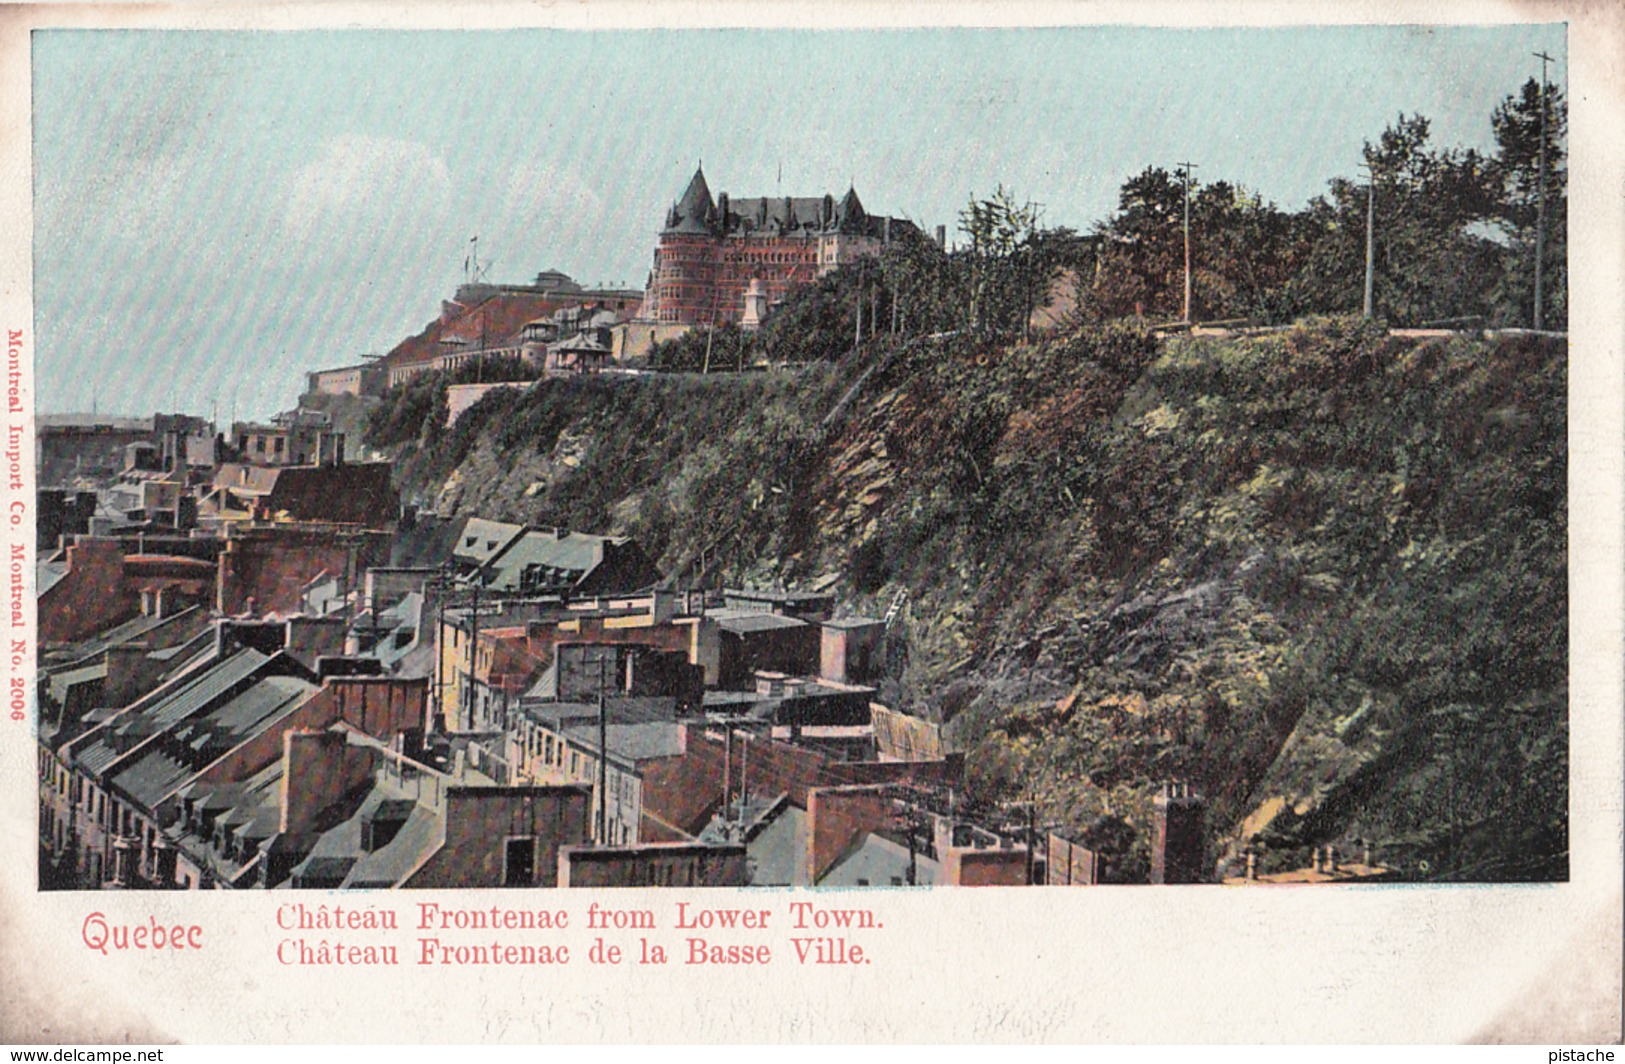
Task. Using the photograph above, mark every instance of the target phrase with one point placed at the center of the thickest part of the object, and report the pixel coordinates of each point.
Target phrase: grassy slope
(1319, 573)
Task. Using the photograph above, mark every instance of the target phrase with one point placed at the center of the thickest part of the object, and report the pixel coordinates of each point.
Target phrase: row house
(808, 820)
(520, 560)
(100, 582)
(484, 320)
(727, 763)
(219, 721)
(528, 625)
(116, 666)
(360, 494)
(503, 670)
(655, 864)
(78, 450)
(608, 748)
(465, 655)
(293, 438)
(343, 810)
(549, 650)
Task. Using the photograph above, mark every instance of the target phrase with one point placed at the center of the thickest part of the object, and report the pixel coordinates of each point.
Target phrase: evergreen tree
(1140, 256)
(1431, 264)
(1515, 176)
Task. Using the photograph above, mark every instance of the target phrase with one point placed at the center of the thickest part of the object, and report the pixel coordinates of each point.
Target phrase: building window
(519, 862)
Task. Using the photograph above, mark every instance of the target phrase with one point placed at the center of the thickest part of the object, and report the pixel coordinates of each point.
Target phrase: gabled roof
(193, 694)
(780, 851)
(480, 540)
(128, 631)
(338, 857)
(395, 628)
(554, 560)
(876, 861)
(546, 685)
(193, 744)
(513, 665)
(245, 479)
(62, 682)
(48, 575)
(156, 774)
(775, 840)
(584, 342)
(187, 695)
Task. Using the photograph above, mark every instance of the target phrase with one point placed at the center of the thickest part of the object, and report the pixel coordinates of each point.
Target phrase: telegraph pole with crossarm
(1540, 209)
(1187, 168)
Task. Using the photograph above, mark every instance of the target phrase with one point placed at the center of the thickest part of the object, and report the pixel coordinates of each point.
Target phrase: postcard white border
(1429, 964)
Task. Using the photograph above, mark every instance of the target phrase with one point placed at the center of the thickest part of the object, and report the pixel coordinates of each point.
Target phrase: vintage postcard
(608, 522)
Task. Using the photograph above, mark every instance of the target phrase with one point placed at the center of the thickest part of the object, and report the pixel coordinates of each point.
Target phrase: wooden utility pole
(440, 649)
(1032, 838)
(727, 765)
(710, 334)
(473, 649)
(1540, 208)
(1187, 167)
(857, 328)
(1370, 235)
(603, 754)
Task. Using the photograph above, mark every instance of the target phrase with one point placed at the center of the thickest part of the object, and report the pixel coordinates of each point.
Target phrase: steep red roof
(497, 318)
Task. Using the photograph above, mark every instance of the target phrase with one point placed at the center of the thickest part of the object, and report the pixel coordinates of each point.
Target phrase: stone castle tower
(712, 249)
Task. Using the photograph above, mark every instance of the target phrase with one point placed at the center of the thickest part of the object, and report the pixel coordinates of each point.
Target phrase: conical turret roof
(849, 213)
(695, 210)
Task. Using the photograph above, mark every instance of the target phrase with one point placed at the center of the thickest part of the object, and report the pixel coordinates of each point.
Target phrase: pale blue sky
(217, 213)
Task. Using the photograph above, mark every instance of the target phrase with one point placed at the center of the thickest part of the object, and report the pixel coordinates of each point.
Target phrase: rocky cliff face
(1320, 574)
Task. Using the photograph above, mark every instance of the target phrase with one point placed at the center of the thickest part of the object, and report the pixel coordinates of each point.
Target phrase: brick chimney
(318, 769)
(310, 638)
(837, 816)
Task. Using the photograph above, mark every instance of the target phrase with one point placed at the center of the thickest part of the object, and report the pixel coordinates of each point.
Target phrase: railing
(426, 786)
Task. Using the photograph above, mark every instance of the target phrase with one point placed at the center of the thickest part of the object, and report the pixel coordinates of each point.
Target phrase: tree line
(1454, 243)
(1454, 235)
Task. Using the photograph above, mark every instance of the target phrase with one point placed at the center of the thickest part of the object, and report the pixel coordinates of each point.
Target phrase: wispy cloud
(361, 178)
